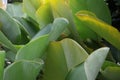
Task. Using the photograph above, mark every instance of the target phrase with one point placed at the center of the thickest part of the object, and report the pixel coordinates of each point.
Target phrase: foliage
(58, 40)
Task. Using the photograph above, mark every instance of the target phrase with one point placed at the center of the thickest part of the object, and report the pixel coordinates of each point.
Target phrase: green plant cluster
(57, 40)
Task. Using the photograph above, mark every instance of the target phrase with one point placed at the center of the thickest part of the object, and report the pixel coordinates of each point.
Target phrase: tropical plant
(58, 40)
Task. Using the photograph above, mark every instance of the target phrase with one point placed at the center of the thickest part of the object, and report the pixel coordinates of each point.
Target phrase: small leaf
(2, 59)
(73, 52)
(101, 28)
(90, 68)
(94, 62)
(23, 70)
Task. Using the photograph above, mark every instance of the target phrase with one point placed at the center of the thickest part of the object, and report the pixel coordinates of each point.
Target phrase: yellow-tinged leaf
(103, 29)
(44, 14)
(61, 57)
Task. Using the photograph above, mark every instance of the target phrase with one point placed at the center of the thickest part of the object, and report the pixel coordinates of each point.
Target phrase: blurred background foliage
(114, 6)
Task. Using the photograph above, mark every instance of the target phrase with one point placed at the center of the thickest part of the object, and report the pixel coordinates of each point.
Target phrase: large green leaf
(34, 49)
(2, 59)
(23, 70)
(61, 58)
(5, 42)
(90, 68)
(106, 31)
(101, 10)
(9, 27)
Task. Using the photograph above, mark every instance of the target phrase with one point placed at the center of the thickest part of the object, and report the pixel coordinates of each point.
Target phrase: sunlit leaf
(9, 27)
(23, 70)
(101, 28)
(90, 68)
(2, 59)
(61, 58)
(44, 15)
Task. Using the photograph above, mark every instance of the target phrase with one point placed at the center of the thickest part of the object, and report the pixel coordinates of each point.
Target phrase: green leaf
(101, 28)
(31, 6)
(2, 59)
(101, 11)
(23, 70)
(34, 49)
(10, 56)
(5, 42)
(54, 30)
(109, 64)
(61, 9)
(90, 68)
(59, 25)
(61, 58)
(15, 10)
(27, 26)
(112, 73)
(44, 31)
(9, 27)
(44, 15)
